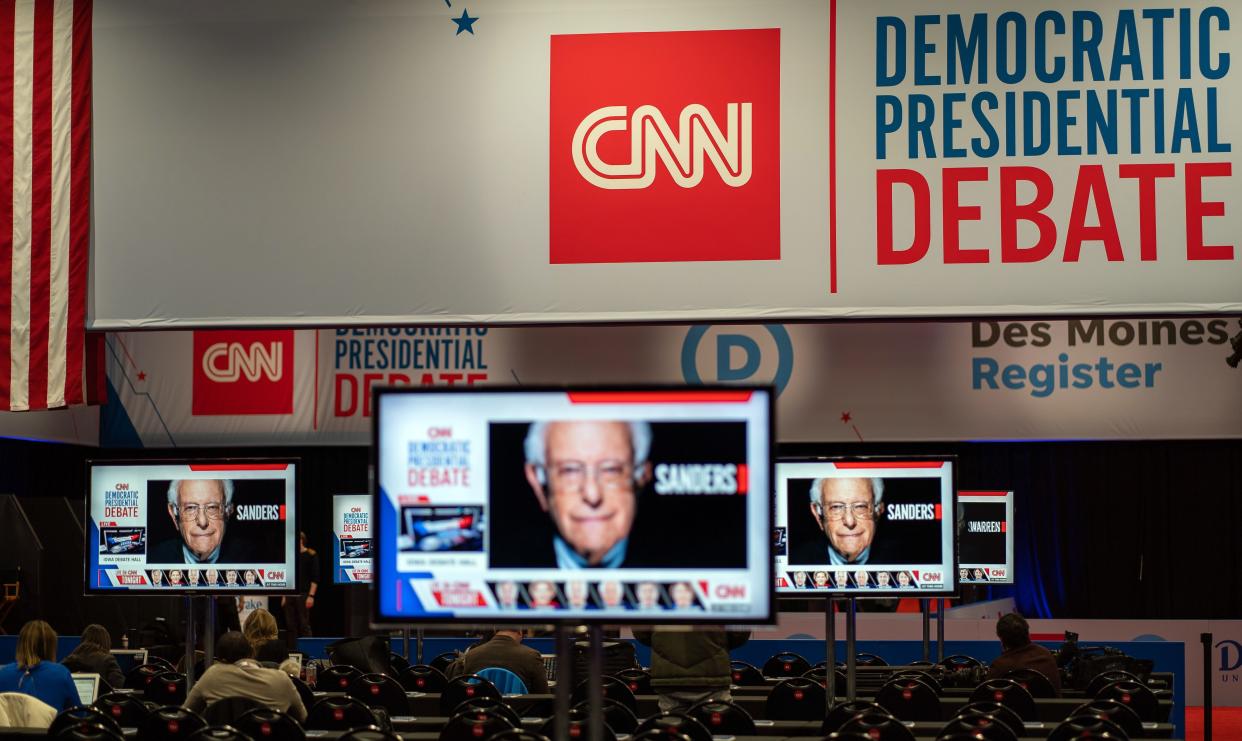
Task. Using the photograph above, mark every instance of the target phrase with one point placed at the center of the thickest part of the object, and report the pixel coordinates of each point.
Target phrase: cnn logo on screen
(243, 372)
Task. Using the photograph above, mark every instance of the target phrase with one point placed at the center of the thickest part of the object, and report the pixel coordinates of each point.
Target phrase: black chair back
(86, 732)
(910, 699)
(579, 727)
(638, 680)
(797, 698)
(226, 710)
(1087, 727)
(785, 664)
(673, 724)
(142, 675)
(478, 704)
(978, 726)
(441, 662)
(126, 709)
(423, 678)
(960, 661)
(746, 675)
(338, 713)
(1123, 715)
(82, 715)
(337, 678)
(167, 688)
(1134, 695)
(1034, 682)
(869, 660)
(1002, 713)
(219, 733)
(878, 727)
(266, 723)
(398, 663)
(839, 714)
(170, 722)
(516, 734)
(1101, 680)
(655, 734)
(924, 677)
(724, 718)
(1008, 693)
(381, 691)
(476, 723)
(459, 689)
(369, 733)
(818, 674)
(613, 688)
(619, 718)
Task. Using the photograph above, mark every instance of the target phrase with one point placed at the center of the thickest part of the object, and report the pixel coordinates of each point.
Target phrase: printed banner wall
(376, 163)
(982, 380)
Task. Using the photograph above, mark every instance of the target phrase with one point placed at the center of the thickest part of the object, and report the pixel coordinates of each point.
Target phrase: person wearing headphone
(35, 672)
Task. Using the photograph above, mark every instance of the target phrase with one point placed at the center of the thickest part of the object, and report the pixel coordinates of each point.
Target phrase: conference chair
(476, 704)
(869, 660)
(170, 722)
(817, 673)
(86, 732)
(266, 723)
(126, 709)
(442, 661)
(673, 724)
(1135, 695)
(840, 714)
(166, 688)
(338, 713)
(1034, 682)
(305, 693)
(846, 736)
(960, 661)
(924, 677)
(746, 675)
(724, 718)
(878, 727)
(472, 725)
(1002, 713)
(1008, 693)
(910, 699)
(658, 735)
(226, 710)
(422, 678)
(618, 717)
(638, 680)
(977, 726)
(369, 733)
(785, 664)
(1123, 715)
(579, 727)
(459, 689)
(1103, 679)
(505, 680)
(382, 691)
(82, 715)
(142, 675)
(614, 689)
(219, 733)
(398, 663)
(517, 734)
(797, 698)
(337, 678)
(1086, 727)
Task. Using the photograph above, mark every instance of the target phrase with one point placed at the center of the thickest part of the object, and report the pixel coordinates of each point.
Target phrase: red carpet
(1226, 724)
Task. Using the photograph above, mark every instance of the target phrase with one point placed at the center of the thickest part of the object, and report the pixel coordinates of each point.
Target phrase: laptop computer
(88, 686)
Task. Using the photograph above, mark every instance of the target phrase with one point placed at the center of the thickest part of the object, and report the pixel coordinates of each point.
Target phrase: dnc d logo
(736, 354)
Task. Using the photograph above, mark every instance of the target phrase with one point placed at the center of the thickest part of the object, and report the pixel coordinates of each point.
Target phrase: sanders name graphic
(403, 356)
(700, 478)
(260, 512)
(912, 512)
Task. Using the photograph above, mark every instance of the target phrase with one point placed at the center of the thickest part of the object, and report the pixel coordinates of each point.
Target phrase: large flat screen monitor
(191, 526)
(985, 537)
(352, 539)
(531, 506)
(867, 527)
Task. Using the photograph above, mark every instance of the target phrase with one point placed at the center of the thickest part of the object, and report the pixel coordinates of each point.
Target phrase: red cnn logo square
(243, 372)
(665, 147)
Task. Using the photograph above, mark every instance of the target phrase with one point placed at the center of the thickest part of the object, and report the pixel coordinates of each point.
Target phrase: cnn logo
(227, 362)
(243, 372)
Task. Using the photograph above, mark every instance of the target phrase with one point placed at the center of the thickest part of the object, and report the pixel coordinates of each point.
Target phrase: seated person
(93, 656)
(237, 674)
(35, 672)
(690, 666)
(1019, 653)
(260, 630)
(503, 649)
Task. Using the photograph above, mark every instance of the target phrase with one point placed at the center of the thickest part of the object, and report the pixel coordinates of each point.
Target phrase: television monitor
(985, 537)
(87, 684)
(190, 526)
(865, 527)
(128, 658)
(537, 505)
(352, 539)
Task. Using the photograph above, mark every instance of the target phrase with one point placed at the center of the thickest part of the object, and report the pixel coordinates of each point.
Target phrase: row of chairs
(90, 723)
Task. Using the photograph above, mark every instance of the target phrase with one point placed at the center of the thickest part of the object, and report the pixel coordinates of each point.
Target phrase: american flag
(45, 202)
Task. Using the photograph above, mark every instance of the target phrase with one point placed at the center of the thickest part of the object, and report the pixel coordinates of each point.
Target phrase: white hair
(226, 484)
(537, 442)
(877, 490)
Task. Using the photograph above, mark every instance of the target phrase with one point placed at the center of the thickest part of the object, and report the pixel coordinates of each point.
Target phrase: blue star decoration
(465, 23)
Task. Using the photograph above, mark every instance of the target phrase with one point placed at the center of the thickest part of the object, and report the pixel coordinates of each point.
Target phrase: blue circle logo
(730, 347)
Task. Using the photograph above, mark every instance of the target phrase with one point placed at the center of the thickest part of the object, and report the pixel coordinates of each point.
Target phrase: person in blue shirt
(36, 672)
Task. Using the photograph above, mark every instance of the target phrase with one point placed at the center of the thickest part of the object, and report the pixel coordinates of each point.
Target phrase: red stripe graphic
(659, 397)
(8, 10)
(982, 493)
(80, 210)
(41, 203)
(238, 466)
(889, 464)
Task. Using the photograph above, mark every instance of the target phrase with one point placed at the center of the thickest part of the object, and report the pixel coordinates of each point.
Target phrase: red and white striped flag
(45, 201)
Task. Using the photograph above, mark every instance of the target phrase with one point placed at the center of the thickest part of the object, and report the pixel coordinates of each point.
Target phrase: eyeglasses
(609, 474)
(836, 511)
(190, 512)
